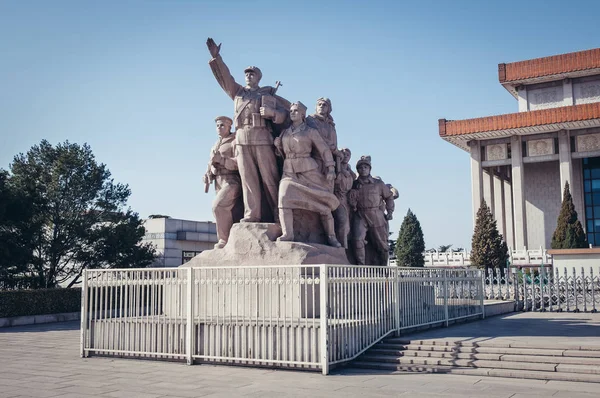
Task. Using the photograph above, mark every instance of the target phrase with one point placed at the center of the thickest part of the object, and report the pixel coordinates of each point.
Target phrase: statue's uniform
(369, 217)
(343, 184)
(255, 150)
(227, 185)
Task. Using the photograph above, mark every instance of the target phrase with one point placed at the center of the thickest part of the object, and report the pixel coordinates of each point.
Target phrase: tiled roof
(554, 65)
(508, 121)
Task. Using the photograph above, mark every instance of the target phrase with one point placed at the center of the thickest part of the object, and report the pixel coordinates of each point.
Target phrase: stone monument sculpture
(304, 185)
(370, 221)
(302, 203)
(257, 110)
(323, 122)
(343, 183)
(223, 170)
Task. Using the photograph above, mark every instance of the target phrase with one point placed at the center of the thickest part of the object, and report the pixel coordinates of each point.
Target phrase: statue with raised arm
(370, 220)
(223, 170)
(257, 111)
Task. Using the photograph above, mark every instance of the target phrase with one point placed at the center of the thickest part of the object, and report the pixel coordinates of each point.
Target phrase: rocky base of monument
(256, 244)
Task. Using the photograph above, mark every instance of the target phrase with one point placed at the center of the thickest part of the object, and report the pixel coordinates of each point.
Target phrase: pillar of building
(508, 211)
(476, 177)
(523, 106)
(499, 205)
(568, 93)
(518, 193)
(564, 157)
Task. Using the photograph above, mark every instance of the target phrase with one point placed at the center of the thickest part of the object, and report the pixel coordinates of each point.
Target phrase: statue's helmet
(365, 159)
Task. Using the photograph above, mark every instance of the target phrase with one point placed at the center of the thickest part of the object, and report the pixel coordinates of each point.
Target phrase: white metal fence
(545, 288)
(288, 316)
(463, 258)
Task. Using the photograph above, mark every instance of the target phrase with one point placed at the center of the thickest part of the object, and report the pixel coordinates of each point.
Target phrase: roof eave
(461, 140)
(511, 85)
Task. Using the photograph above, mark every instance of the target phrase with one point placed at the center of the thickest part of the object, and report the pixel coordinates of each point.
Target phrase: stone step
(511, 373)
(551, 359)
(490, 350)
(434, 354)
(492, 343)
(486, 356)
(473, 363)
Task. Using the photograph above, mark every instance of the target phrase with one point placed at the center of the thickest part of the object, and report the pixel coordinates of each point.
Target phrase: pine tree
(410, 244)
(569, 232)
(488, 248)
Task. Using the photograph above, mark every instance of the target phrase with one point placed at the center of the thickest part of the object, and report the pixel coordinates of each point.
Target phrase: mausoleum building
(521, 161)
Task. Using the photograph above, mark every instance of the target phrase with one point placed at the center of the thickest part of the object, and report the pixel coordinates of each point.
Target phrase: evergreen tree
(488, 248)
(70, 214)
(410, 243)
(569, 232)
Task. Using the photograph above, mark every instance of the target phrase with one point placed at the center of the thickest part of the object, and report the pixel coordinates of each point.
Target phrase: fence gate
(545, 288)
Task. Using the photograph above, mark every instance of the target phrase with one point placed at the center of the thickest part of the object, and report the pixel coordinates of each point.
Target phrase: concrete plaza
(43, 361)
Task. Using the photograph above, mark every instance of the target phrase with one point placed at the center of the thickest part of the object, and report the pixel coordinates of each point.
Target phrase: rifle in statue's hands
(209, 177)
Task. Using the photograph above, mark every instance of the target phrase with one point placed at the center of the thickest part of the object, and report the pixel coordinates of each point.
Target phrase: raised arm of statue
(221, 71)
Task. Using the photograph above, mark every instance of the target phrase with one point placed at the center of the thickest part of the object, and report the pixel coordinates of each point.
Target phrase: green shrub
(39, 302)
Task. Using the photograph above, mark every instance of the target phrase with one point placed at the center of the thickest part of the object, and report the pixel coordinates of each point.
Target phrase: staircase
(484, 358)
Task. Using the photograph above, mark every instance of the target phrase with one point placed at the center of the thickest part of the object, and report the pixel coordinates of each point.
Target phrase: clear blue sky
(131, 78)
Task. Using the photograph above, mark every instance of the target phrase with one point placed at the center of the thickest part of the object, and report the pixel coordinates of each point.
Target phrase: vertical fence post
(482, 293)
(84, 313)
(397, 299)
(189, 327)
(324, 289)
(445, 282)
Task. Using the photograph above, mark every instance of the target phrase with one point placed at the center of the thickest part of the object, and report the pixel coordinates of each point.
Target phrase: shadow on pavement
(43, 327)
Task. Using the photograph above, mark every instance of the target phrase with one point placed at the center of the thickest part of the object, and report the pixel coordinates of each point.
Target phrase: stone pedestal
(255, 244)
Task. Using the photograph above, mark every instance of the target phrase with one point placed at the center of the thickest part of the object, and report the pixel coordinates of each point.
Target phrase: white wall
(542, 201)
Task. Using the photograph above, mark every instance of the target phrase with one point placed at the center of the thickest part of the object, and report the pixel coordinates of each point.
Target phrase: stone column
(499, 204)
(508, 211)
(491, 202)
(518, 193)
(476, 177)
(523, 106)
(568, 93)
(564, 157)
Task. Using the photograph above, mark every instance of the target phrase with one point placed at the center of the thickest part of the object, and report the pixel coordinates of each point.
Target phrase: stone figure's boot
(359, 252)
(220, 244)
(286, 218)
(384, 255)
(328, 225)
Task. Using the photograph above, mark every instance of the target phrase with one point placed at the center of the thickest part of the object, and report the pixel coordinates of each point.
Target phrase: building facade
(521, 161)
(178, 241)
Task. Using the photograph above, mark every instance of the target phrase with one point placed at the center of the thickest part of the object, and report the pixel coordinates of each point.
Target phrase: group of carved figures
(251, 186)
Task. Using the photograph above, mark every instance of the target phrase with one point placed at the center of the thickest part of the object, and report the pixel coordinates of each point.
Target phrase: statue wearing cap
(258, 112)
(223, 170)
(343, 183)
(322, 121)
(370, 220)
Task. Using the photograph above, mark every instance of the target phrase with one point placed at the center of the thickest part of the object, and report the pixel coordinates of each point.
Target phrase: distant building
(178, 241)
(521, 161)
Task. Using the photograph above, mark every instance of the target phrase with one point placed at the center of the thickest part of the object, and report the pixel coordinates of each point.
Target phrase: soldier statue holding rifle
(223, 170)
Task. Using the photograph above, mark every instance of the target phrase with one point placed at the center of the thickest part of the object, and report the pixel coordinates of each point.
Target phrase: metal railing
(545, 288)
(463, 258)
(286, 316)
